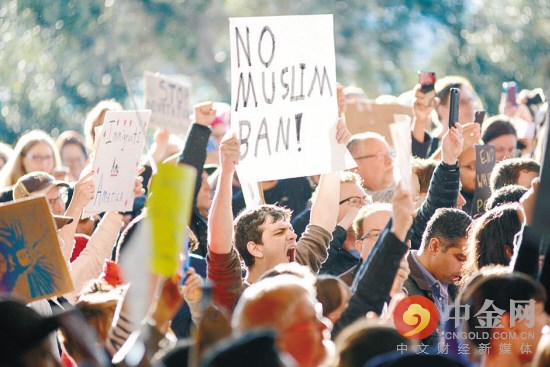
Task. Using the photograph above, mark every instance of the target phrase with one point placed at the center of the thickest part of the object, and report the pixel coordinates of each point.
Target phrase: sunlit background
(58, 58)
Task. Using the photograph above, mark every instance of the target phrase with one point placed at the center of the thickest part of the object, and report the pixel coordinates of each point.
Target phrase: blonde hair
(14, 166)
(95, 118)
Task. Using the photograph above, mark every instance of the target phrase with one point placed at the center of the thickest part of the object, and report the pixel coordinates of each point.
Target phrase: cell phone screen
(454, 106)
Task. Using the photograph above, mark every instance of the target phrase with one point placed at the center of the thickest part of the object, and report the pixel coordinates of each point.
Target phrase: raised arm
(324, 210)
(83, 193)
(376, 276)
(220, 220)
(311, 250)
(444, 185)
(421, 140)
(223, 265)
(194, 151)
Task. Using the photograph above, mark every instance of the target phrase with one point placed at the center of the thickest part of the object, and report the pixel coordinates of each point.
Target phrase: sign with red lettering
(117, 155)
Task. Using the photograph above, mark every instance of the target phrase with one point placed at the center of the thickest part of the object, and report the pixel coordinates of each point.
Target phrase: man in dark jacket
(437, 266)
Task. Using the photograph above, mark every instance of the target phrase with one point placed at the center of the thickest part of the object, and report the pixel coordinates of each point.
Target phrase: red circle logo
(415, 317)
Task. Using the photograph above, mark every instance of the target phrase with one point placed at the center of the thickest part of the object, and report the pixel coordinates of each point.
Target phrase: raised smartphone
(454, 104)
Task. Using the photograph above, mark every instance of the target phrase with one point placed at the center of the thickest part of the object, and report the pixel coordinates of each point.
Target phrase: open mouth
(290, 254)
(456, 278)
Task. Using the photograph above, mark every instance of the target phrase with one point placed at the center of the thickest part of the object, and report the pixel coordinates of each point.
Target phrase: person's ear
(255, 249)
(434, 245)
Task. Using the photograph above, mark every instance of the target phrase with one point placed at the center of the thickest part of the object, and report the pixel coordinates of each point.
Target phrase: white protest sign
(400, 132)
(283, 97)
(116, 160)
(168, 99)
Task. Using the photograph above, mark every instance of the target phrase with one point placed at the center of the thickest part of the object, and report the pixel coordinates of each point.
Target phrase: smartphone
(479, 117)
(426, 79)
(454, 106)
(511, 90)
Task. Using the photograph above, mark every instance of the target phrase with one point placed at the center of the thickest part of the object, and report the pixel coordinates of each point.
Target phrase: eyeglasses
(380, 156)
(355, 200)
(373, 233)
(39, 158)
(61, 198)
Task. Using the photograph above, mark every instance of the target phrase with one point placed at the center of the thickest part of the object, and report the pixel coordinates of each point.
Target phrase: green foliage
(59, 58)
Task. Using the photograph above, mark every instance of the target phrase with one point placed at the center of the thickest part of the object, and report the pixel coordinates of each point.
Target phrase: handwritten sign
(116, 160)
(283, 97)
(168, 99)
(170, 206)
(31, 264)
(485, 162)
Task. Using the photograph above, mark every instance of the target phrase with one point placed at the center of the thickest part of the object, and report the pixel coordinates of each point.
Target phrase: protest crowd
(426, 247)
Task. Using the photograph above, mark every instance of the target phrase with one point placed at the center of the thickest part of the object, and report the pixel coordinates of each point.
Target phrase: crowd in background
(313, 277)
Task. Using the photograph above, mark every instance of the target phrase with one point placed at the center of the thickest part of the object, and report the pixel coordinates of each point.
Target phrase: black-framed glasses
(355, 200)
(373, 233)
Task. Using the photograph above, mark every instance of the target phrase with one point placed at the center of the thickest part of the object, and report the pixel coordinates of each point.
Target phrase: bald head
(374, 160)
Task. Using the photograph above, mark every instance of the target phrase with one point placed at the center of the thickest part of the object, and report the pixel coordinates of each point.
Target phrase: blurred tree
(59, 58)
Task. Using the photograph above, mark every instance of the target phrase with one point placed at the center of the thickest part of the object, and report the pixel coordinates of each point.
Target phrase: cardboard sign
(31, 264)
(168, 99)
(485, 162)
(283, 97)
(119, 146)
(366, 115)
(170, 206)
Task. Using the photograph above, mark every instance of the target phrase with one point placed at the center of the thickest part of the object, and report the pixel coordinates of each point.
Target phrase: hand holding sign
(84, 191)
(452, 144)
(342, 133)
